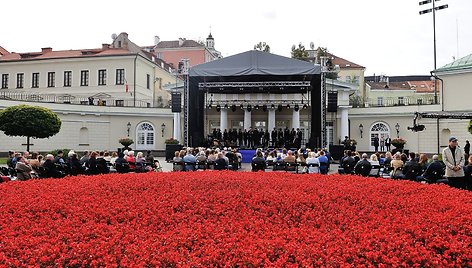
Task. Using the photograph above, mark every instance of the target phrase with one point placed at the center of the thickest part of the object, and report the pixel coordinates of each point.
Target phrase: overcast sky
(388, 37)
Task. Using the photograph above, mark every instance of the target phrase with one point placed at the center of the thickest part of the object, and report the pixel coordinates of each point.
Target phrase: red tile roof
(418, 86)
(423, 86)
(3, 51)
(343, 63)
(389, 86)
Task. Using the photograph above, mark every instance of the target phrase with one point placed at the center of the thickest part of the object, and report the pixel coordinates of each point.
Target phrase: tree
(262, 46)
(30, 121)
(300, 52)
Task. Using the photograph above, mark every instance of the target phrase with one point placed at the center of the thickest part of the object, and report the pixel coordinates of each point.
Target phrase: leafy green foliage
(469, 127)
(262, 46)
(299, 52)
(29, 121)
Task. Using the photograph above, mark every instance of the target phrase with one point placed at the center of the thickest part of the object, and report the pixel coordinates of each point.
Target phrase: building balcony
(100, 99)
(394, 101)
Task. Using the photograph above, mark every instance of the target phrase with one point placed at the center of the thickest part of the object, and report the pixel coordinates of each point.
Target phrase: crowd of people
(24, 166)
(453, 167)
(230, 158)
(255, 138)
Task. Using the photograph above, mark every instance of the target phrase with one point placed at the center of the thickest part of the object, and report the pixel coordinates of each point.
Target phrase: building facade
(95, 92)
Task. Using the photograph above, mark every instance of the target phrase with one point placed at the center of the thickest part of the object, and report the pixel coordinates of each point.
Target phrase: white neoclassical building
(100, 95)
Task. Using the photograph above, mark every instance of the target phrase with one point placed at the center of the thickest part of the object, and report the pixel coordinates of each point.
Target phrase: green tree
(30, 122)
(299, 52)
(262, 46)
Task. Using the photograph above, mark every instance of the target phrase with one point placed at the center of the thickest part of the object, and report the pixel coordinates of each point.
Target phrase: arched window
(84, 136)
(381, 131)
(145, 136)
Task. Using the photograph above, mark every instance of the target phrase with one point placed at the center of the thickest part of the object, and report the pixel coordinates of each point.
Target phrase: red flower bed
(205, 219)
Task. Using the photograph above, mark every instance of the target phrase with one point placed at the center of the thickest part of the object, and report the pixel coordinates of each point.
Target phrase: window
(260, 125)
(67, 78)
(379, 130)
(120, 76)
(35, 80)
(419, 101)
(401, 101)
(84, 78)
(4, 81)
(83, 136)
(145, 136)
(380, 101)
(102, 77)
(120, 103)
(20, 78)
(148, 81)
(51, 79)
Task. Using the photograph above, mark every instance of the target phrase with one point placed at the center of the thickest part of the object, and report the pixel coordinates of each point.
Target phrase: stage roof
(255, 62)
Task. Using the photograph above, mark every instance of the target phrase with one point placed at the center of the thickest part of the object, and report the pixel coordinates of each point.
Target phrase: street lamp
(361, 129)
(129, 127)
(397, 128)
(434, 9)
(163, 127)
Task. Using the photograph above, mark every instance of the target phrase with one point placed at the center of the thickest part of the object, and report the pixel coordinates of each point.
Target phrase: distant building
(174, 51)
(117, 74)
(100, 95)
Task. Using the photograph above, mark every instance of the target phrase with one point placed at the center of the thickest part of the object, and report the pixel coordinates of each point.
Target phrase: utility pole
(426, 11)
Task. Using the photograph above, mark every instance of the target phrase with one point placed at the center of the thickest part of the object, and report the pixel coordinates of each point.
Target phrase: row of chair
(288, 166)
(204, 165)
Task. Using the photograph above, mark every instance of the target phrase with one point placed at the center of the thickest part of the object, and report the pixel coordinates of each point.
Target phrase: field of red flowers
(236, 219)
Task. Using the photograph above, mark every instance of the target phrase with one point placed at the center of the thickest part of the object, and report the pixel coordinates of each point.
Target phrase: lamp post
(163, 128)
(397, 128)
(424, 2)
(129, 127)
(361, 129)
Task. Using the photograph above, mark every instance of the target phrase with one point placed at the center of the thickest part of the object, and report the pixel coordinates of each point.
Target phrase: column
(344, 121)
(247, 119)
(176, 134)
(223, 119)
(271, 121)
(295, 119)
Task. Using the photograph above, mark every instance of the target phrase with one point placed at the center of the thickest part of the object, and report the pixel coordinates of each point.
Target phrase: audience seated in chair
(220, 162)
(258, 163)
(364, 166)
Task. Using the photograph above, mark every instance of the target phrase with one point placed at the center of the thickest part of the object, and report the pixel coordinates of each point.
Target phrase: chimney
(46, 49)
(181, 41)
(105, 46)
(156, 40)
(388, 81)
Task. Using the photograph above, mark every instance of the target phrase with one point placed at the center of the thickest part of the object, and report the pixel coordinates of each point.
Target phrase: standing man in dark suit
(388, 143)
(280, 137)
(299, 137)
(376, 143)
(273, 137)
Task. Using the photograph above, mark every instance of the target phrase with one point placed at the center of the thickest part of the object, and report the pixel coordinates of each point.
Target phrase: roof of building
(404, 78)
(3, 51)
(120, 46)
(50, 54)
(460, 64)
(343, 63)
(389, 85)
(176, 44)
(426, 86)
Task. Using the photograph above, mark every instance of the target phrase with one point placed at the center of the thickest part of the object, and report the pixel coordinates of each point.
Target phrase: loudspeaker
(176, 102)
(332, 101)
